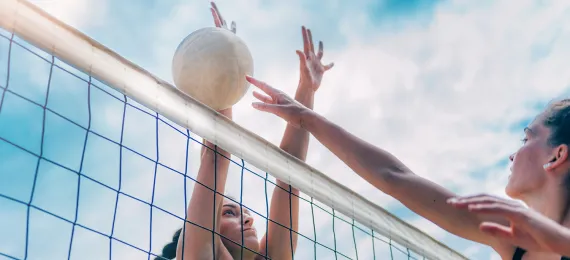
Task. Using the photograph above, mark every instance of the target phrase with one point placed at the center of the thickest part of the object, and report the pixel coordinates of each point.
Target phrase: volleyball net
(98, 159)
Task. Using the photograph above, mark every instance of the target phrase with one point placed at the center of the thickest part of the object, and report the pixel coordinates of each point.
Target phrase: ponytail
(169, 250)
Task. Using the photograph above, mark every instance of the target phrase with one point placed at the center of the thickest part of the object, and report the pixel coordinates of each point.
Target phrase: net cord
(85, 54)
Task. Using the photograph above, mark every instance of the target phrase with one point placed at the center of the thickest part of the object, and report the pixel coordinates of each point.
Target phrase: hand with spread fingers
(219, 20)
(311, 74)
(278, 103)
(528, 229)
(312, 70)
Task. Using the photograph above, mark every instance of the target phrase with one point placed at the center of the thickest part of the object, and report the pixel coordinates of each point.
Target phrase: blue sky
(445, 85)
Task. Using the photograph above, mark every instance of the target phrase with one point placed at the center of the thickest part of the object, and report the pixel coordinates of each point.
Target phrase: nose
(247, 221)
(512, 157)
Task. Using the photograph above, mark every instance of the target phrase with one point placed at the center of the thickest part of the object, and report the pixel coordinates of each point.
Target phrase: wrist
(305, 95)
(307, 86)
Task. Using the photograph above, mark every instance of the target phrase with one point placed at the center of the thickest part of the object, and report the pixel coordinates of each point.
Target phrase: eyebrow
(528, 130)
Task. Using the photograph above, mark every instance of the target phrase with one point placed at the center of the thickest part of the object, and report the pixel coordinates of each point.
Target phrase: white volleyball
(210, 65)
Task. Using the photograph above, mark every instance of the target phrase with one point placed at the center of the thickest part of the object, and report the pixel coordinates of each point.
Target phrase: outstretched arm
(284, 210)
(197, 240)
(380, 168)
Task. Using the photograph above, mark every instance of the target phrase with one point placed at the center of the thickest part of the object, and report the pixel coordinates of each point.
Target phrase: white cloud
(78, 13)
(444, 96)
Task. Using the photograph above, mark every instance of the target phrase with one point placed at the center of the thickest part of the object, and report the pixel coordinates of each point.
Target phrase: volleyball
(210, 65)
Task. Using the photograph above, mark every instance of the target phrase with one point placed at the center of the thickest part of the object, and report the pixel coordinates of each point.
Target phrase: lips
(250, 230)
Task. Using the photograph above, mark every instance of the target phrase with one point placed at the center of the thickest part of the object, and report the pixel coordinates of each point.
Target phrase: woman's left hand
(219, 20)
(528, 229)
(312, 70)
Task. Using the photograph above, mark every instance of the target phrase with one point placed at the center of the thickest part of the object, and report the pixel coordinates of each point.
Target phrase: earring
(547, 165)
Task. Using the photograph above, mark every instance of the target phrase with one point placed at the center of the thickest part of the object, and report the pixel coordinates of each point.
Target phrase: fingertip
(253, 81)
(258, 105)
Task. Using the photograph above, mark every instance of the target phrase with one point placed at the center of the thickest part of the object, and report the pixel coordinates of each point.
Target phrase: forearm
(204, 203)
(296, 140)
(211, 180)
(285, 201)
(556, 239)
(562, 245)
(390, 175)
(377, 166)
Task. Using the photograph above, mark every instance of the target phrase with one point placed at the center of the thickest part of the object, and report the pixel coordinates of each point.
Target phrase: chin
(252, 243)
(513, 191)
(510, 189)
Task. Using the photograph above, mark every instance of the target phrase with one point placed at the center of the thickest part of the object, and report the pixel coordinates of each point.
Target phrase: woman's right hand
(279, 104)
(528, 229)
(219, 20)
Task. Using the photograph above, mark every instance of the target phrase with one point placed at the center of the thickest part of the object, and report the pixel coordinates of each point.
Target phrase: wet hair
(169, 250)
(557, 119)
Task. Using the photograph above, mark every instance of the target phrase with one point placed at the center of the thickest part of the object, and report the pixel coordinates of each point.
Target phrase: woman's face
(528, 173)
(231, 227)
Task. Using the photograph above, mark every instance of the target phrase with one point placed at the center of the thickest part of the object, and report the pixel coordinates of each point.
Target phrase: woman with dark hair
(540, 175)
(528, 228)
(239, 239)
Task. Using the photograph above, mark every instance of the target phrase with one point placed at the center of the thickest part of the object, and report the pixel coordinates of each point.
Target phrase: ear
(559, 158)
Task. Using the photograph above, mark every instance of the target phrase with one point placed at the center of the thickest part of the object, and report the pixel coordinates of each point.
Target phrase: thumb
(302, 58)
(497, 230)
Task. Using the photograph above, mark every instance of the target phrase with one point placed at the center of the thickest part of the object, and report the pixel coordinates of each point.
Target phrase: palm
(312, 69)
(278, 103)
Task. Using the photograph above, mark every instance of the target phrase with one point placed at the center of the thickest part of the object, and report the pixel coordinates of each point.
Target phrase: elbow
(390, 179)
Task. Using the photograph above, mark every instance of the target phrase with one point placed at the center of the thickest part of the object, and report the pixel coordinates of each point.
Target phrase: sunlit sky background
(446, 86)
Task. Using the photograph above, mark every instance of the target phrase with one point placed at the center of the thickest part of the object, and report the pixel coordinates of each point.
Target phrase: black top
(519, 252)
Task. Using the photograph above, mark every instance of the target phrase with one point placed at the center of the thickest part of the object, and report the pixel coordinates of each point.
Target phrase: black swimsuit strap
(519, 252)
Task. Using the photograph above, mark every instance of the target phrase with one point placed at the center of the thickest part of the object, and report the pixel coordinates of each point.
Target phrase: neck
(551, 202)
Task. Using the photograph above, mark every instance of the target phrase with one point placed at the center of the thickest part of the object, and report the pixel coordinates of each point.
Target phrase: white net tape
(47, 33)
